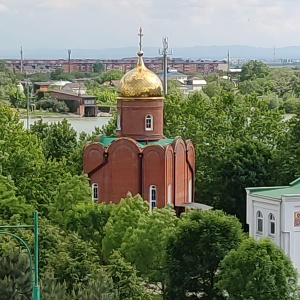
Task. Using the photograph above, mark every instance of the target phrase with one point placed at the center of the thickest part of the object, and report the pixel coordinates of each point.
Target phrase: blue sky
(114, 23)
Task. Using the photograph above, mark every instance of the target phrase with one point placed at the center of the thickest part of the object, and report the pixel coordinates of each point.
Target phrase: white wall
(266, 206)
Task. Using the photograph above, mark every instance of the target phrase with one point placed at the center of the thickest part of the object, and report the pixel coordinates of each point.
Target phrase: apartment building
(186, 66)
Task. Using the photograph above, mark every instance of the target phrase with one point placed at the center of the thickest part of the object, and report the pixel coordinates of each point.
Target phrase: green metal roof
(278, 191)
(106, 141)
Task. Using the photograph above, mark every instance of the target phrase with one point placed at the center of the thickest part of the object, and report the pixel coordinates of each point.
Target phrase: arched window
(152, 197)
(271, 224)
(95, 192)
(259, 222)
(149, 123)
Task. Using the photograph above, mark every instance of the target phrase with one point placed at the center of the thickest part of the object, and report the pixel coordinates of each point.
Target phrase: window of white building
(271, 224)
(95, 191)
(149, 123)
(152, 198)
(259, 222)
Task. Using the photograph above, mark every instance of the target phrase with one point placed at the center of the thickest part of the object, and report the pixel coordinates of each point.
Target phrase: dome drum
(142, 120)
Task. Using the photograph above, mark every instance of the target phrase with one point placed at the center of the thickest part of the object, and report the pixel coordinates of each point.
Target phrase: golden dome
(140, 82)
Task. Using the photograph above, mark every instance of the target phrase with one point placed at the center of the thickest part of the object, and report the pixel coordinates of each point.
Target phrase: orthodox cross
(140, 34)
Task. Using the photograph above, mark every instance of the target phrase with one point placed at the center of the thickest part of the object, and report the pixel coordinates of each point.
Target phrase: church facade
(140, 159)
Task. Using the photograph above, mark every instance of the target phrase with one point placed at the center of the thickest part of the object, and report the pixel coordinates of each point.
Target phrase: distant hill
(197, 52)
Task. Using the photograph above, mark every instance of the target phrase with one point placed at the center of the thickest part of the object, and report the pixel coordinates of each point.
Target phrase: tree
(110, 75)
(71, 192)
(98, 67)
(254, 69)
(194, 253)
(145, 245)
(59, 74)
(59, 138)
(88, 220)
(123, 216)
(21, 154)
(126, 281)
(11, 205)
(15, 280)
(258, 270)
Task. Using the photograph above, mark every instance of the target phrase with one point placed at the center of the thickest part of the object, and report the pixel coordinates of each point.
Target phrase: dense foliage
(258, 270)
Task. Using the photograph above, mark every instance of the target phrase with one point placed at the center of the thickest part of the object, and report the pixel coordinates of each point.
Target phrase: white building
(274, 212)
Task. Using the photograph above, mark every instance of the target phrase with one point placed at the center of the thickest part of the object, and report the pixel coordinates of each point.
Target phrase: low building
(77, 88)
(274, 212)
(83, 105)
(192, 85)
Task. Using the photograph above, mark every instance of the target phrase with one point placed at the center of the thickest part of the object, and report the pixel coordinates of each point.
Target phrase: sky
(97, 24)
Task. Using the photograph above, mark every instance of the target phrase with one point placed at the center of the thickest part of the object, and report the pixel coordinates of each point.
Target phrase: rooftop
(106, 141)
(277, 192)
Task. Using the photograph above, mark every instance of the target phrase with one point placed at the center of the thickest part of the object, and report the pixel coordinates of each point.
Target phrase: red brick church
(140, 159)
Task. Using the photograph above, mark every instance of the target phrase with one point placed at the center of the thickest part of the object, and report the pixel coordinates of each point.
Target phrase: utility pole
(274, 54)
(165, 52)
(21, 52)
(69, 61)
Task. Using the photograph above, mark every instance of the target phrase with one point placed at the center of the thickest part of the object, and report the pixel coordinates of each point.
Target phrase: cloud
(114, 23)
(3, 7)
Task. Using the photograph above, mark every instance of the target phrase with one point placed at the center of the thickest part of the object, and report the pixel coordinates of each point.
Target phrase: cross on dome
(140, 34)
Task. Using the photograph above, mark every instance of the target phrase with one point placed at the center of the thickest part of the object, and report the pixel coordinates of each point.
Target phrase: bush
(52, 105)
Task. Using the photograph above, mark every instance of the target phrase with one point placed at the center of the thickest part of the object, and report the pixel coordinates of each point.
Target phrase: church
(140, 159)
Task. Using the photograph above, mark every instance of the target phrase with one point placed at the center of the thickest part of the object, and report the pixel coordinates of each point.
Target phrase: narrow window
(260, 221)
(271, 224)
(169, 194)
(152, 202)
(190, 196)
(149, 123)
(118, 122)
(95, 192)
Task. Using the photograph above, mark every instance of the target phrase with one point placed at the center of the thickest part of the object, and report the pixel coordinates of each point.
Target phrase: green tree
(88, 220)
(59, 138)
(21, 154)
(14, 273)
(98, 67)
(10, 204)
(110, 75)
(258, 270)
(254, 69)
(126, 281)
(123, 216)
(145, 245)
(194, 252)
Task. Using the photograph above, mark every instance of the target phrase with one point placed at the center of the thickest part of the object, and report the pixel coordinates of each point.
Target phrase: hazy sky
(114, 23)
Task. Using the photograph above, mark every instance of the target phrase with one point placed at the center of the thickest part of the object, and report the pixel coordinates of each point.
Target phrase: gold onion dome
(140, 82)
